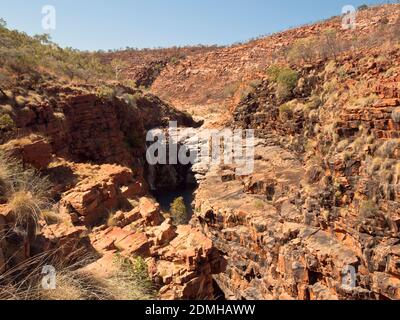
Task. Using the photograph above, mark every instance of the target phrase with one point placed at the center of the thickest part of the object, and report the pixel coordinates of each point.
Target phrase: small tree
(70, 70)
(396, 30)
(118, 66)
(286, 80)
(179, 211)
(6, 123)
(303, 50)
(43, 38)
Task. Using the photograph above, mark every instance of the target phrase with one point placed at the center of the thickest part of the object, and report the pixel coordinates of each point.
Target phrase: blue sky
(102, 24)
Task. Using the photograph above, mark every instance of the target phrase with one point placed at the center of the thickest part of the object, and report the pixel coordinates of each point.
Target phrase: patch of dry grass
(5, 177)
(24, 281)
(25, 191)
(130, 280)
(28, 198)
(51, 217)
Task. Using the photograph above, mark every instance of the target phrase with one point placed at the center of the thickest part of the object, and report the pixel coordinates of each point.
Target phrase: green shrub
(362, 7)
(25, 55)
(132, 279)
(303, 50)
(273, 73)
(175, 60)
(179, 211)
(368, 209)
(104, 92)
(286, 80)
(231, 89)
(118, 66)
(286, 111)
(6, 123)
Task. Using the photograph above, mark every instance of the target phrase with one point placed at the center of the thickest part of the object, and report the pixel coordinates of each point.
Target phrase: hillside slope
(224, 74)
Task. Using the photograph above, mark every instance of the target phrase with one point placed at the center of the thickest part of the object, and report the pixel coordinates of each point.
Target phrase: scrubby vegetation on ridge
(22, 55)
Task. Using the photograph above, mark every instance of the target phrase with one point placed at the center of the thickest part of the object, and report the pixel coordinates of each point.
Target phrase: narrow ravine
(171, 180)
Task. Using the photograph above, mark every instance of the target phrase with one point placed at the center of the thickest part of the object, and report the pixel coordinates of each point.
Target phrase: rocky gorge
(317, 218)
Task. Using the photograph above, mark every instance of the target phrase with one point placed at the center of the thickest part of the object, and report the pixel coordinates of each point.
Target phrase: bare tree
(118, 66)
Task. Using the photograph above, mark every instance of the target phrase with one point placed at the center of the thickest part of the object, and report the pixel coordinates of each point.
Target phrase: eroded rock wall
(322, 201)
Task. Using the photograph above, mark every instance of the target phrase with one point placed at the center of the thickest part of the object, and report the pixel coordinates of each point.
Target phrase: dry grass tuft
(5, 177)
(28, 199)
(24, 281)
(111, 220)
(130, 281)
(25, 191)
(51, 217)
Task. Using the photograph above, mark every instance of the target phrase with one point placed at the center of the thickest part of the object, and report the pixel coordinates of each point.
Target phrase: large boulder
(185, 267)
(100, 190)
(32, 150)
(150, 211)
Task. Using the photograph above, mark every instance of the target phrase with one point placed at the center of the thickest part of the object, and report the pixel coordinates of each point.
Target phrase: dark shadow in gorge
(170, 181)
(166, 197)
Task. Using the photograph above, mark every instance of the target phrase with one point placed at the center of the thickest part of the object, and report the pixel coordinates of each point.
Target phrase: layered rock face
(85, 143)
(273, 249)
(83, 125)
(181, 259)
(318, 218)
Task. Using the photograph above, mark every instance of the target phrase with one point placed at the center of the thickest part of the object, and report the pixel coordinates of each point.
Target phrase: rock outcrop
(85, 143)
(181, 259)
(318, 217)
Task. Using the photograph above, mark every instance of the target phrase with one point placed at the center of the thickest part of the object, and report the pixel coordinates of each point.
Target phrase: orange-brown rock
(32, 150)
(165, 233)
(144, 66)
(184, 268)
(222, 75)
(100, 189)
(134, 244)
(150, 211)
(62, 239)
(2, 243)
(182, 259)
